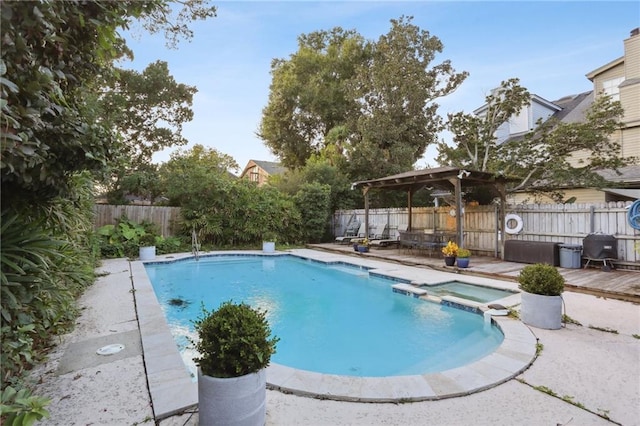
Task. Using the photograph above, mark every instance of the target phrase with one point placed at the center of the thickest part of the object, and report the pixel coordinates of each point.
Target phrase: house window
(254, 176)
(610, 87)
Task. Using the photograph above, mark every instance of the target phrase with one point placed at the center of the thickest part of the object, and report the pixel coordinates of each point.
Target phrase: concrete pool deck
(589, 365)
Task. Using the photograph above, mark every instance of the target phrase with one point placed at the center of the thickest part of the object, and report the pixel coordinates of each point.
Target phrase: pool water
(467, 291)
(334, 319)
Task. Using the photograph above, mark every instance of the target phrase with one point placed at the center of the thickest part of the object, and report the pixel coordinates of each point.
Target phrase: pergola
(444, 178)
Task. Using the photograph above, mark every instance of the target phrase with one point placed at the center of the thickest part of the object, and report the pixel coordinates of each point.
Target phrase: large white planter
(147, 253)
(268, 247)
(238, 401)
(541, 311)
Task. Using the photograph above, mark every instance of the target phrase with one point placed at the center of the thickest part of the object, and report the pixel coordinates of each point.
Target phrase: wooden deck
(616, 284)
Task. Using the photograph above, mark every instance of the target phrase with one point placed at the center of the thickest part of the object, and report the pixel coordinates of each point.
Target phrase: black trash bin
(570, 256)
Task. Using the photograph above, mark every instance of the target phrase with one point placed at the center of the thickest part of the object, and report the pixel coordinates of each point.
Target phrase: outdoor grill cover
(600, 246)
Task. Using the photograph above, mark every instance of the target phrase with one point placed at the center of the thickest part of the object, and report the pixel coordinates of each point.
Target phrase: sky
(549, 45)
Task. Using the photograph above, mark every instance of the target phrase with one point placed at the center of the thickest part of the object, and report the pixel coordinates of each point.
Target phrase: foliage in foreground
(54, 57)
(47, 260)
(20, 408)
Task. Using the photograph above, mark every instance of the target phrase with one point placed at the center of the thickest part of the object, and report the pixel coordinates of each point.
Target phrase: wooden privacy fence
(566, 223)
(165, 217)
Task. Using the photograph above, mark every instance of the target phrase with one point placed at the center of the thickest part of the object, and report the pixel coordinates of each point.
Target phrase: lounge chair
(391, 241)
(378, 233)
(352, 232)
(375, 231)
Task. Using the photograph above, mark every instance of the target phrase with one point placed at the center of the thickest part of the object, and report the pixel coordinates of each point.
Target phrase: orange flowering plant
(450, 250)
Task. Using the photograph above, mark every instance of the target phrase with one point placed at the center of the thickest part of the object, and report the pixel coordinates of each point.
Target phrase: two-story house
(621, 80)
(259, 171)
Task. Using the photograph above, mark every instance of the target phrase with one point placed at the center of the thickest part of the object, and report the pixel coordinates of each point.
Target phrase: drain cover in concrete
(110, 349)
(83, 354)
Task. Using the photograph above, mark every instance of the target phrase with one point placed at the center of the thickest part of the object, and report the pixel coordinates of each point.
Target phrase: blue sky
(548, 45)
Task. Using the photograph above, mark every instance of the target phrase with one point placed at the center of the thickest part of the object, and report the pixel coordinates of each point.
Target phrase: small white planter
(147, 253)
(238, 401)
(541, 311)
(268, 247)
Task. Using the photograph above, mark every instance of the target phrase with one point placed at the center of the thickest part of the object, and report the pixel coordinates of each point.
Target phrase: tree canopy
(367, 106)
(147, 109)
(55, 57)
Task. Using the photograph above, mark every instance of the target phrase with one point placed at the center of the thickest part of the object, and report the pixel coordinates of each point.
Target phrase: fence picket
(165, 217)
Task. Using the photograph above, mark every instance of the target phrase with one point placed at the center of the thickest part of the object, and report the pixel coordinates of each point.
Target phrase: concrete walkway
(585, 374)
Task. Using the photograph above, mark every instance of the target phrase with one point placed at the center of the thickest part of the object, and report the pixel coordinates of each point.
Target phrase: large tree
(474, 136)
(147, 109)
(182, 176)
(308, 95)
(367, 106)
(541, 159)
(55, 57)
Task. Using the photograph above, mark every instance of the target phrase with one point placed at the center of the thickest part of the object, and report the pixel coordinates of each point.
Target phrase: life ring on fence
(634, 215)
(516, 229)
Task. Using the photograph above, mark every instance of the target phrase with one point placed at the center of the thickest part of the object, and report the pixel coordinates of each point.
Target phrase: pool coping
(172, 390)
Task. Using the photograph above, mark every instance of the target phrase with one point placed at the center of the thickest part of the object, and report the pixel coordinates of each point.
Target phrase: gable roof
(569, 109)
(270, 167)
(604, 68)
(573, 107)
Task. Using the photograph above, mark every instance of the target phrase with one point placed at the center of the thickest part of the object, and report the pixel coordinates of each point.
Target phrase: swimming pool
(331, 319)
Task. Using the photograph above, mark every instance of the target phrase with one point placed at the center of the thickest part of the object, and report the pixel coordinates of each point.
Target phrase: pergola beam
(448, 177)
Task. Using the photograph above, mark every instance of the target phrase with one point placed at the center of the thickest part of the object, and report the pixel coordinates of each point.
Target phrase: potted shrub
(450, 251)
(363, 246)
(462, 258)
(234, 348)
(147, 249)
(542, 286)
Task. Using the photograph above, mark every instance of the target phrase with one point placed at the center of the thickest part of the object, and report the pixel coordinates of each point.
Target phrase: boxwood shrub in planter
(463, 257)
(542, 286)
(234, 347)
(147, 247)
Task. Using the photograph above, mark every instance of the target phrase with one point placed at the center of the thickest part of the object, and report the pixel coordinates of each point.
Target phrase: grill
(600, 247)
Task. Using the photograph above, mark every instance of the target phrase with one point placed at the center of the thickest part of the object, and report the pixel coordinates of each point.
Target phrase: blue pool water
(333, 319)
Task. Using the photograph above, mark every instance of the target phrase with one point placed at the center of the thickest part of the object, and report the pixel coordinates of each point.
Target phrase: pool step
(408, 290)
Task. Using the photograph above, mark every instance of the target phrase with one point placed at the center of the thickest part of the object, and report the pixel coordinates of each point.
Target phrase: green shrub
(125, 237)
(313, 201)
(463, 253)
(233, 340)
(147, 240)
(541, 279)
(19, 407)
(170, 245)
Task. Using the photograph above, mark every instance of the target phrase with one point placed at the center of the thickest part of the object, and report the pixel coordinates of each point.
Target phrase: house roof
(628, 193)
(629, 175)
(270, 167)
(604, 68)
(569, 109)
(573, 107)
(534, 98)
